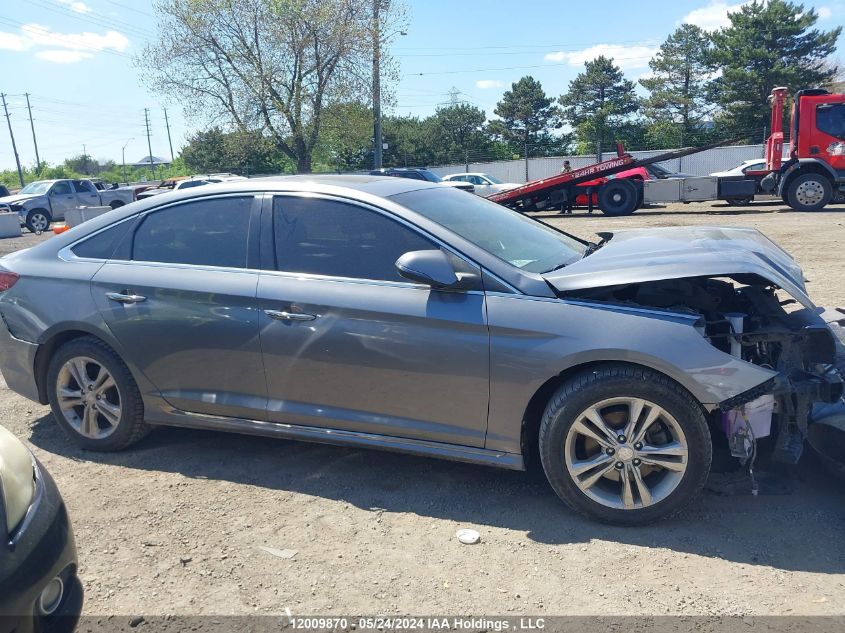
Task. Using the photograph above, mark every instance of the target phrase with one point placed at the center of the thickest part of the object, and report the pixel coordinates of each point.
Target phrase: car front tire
(94, 397)
(625, 445)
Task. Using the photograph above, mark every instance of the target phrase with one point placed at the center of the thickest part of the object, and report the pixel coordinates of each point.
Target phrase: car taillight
(7, 279)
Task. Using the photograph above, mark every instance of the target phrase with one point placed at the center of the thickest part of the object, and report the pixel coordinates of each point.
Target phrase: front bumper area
(40, 549)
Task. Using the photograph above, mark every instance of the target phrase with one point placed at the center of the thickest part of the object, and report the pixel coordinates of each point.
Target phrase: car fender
(533, 340)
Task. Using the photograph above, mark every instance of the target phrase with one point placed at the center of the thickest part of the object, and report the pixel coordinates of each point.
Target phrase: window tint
(103, 244)
(204, 232)
(83, 187)
(324, 237)
(61, 189)
(408, 174)
(830, 119)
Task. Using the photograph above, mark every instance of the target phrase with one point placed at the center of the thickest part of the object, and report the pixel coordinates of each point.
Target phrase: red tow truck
(813, 175)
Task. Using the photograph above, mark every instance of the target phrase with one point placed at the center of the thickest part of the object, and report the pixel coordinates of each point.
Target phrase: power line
(91, 18)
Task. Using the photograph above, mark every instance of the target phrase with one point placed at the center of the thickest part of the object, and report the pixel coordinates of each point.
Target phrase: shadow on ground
(798, 531)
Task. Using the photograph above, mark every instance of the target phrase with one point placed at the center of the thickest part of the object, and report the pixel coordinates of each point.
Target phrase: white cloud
(43, 36)
(825, 13)
(486, 84)
(713, 16)
(14, 42)
(78, 7)
(62, 48)
(626, 57)
(63, 57)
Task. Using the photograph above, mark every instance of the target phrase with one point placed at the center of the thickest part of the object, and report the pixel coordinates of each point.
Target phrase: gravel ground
(177, 525)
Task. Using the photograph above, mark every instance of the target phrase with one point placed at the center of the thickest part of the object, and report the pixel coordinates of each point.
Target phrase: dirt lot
(176, 525)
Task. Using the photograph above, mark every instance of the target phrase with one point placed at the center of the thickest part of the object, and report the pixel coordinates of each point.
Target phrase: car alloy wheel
(626, 453)
(38, 222)
(88, 397)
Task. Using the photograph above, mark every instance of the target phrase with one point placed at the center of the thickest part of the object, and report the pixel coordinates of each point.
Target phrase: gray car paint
(375, 334)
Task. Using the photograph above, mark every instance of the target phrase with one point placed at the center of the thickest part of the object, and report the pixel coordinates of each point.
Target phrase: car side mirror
(432, 268)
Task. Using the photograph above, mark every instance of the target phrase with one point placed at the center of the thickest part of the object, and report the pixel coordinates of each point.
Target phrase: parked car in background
(420, 173)
(39, 586)
(400, 314)
(484, 184)
(4, 191)
(187, 182)
(753, 164)
(43, 201)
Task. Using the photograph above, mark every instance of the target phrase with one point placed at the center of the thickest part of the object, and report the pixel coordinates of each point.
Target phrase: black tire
(740, 202)
(131, 426)
(38, 220)
(618, 196)
(624, 381)
(797, 196)
(116, 204)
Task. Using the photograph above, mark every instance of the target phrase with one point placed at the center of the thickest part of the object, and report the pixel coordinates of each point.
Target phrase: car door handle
(281, 315)
(125, 298)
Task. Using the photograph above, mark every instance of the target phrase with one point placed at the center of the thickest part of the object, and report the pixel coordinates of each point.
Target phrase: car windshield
(37, 187)
(492, 179)
(510, 236)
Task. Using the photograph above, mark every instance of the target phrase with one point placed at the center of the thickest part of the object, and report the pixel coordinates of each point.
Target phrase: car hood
(634, 256)
(19, 198)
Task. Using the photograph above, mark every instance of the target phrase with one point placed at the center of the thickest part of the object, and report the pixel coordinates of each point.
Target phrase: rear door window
(211, 232)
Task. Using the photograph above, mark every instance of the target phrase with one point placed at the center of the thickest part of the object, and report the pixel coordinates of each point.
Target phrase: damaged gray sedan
(396, 314)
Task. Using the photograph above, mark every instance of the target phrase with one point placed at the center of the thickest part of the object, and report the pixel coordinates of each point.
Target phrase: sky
(75, 59)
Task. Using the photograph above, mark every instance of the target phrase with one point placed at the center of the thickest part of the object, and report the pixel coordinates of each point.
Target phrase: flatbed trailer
(615, 196)
(811, 177)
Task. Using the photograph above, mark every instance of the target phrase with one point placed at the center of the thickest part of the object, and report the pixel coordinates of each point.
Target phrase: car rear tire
(625, 445)
(38, 220)
(618, 196)
(809, 192)
(94, 397)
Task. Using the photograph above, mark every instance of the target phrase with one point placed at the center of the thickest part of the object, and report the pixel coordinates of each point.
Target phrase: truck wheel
(618, 197)
(114, 204)
(809, 192)
(38, 220)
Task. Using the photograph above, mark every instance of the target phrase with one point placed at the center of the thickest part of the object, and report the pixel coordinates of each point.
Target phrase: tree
(206, 151)
(768, 44)
(598, 103)
(461, 124)
(346, 137)
(682, 71)
(268, 66)
(527, 115)
(240, 152)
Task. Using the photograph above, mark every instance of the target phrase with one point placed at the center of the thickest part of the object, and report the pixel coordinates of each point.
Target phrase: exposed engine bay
(748, 317)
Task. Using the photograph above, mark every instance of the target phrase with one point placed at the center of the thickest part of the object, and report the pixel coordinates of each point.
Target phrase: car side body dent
(560, 334)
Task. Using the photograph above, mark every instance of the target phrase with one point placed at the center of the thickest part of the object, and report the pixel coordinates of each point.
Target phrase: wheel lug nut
(619, 465)
(638, 445)
(621, 439)
(637, 462)
(610, 451)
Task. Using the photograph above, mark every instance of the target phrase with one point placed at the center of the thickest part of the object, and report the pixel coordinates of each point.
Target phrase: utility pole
(123, 158)
(84, 159)
(149, 142)
(34, 142)
(12, 136)
(169, 142)
(377, 142)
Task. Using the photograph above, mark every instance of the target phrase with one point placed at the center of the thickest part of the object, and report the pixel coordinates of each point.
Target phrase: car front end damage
(749, 301)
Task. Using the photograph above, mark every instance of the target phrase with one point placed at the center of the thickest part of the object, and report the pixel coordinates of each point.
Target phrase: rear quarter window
(103, 245)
